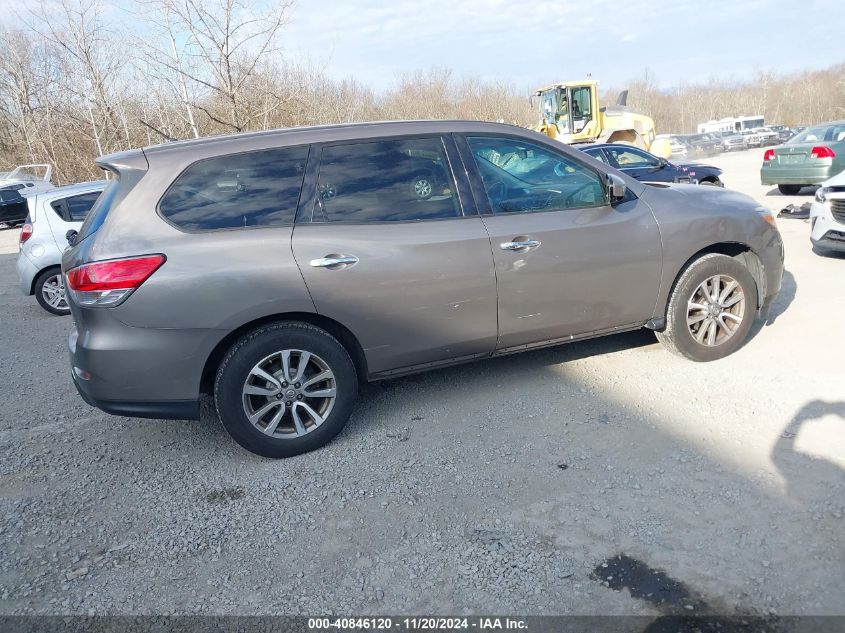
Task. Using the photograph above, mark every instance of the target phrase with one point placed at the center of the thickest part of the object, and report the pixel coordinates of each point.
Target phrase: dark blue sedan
(641, 165)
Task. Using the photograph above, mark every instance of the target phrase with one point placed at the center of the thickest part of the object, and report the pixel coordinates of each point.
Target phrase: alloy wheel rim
(53, 291)
(715, 310)
(289, 393)
(422, 188)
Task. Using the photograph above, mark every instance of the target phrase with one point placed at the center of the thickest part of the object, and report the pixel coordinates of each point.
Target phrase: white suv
(43, 239)
(827, 215)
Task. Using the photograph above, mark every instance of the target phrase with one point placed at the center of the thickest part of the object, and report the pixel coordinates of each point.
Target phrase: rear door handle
(334, 262)
(519, 246)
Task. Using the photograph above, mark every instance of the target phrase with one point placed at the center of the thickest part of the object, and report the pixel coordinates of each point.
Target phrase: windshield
(554, 112)
(28, 172)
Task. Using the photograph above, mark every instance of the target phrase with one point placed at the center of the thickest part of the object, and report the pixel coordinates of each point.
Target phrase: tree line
(80, 78)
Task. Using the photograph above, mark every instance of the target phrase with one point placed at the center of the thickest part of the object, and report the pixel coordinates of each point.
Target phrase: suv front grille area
(837, 208)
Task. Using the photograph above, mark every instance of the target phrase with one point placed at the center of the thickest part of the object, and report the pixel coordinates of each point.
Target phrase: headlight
(821, 194)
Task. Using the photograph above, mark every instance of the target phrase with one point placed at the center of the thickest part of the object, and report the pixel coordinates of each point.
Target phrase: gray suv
(278, 270)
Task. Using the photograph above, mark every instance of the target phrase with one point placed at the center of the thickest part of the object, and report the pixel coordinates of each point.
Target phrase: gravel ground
(499, 486)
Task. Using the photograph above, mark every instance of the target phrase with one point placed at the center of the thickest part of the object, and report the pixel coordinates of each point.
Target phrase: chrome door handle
(519, 246)
(334, 262)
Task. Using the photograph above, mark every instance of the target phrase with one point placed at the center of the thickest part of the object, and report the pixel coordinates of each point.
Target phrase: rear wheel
(285, 389)
(790, 190)
(711, 309)
(50, 292)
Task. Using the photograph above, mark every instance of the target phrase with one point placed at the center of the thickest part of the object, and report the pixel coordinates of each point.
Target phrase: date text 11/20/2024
(416, 624)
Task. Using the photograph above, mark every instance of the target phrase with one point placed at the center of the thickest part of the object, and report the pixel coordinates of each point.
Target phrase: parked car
(44, 236)
(809, 158)
(33, 178)
(731, 141)
(752, 138)
(678, 147)
(279, 301)
(647, 167)
(12, 207)
(767, 136)
(827, 216)
(784, 133)
(702, 144)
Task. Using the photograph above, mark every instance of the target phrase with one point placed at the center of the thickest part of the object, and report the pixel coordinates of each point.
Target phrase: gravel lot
(447, 492)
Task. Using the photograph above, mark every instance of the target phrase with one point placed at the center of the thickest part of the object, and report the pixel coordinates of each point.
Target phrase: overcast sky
(532, 43)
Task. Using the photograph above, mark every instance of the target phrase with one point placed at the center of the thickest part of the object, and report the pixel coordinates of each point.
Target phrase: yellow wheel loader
(570, 113)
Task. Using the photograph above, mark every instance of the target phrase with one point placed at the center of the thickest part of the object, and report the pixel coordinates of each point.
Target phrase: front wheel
(711, 309)
(50, 292)
(285, 389)
(789, 190)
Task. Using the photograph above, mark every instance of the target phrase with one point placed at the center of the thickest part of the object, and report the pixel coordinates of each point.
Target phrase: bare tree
(226, 42)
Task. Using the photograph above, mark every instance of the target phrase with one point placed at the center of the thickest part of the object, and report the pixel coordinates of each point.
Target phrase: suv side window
(390, 180)
(628, 157)
(521, 177)
(259, 188)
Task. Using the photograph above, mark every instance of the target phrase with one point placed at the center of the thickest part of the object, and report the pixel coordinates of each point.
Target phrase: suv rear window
(258, 188)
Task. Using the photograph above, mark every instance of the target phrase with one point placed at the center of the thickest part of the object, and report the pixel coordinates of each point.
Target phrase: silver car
(43, 238)
(277, 270)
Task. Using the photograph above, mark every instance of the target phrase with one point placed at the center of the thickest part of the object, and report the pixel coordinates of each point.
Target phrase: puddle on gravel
(646, 583)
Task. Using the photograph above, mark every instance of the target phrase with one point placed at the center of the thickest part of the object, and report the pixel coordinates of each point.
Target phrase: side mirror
(616, 187)
(663, 162)
(70, 236)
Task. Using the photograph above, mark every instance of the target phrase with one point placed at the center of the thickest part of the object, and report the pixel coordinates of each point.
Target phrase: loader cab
(569, 110)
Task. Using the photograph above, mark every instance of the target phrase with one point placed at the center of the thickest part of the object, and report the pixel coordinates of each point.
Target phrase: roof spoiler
(130, 160)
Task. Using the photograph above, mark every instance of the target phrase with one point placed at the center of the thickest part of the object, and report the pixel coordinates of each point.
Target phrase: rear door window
(389, 180)
(235, 191)
(79, 206)
(75, 208)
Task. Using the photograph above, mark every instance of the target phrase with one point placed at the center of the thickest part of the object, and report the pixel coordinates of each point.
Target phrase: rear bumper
(168, 410)
(789, 175)
(139, 372)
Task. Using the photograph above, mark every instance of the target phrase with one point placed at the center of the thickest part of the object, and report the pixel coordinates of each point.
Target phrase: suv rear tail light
(109, 282)
(26, 232)
(769, 155)
(822, 151)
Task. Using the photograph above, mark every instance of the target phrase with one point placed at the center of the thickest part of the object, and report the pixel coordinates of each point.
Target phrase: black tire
(40, 281)
(712, 183)
(677, 336)
(247, 352)
(790, 190)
